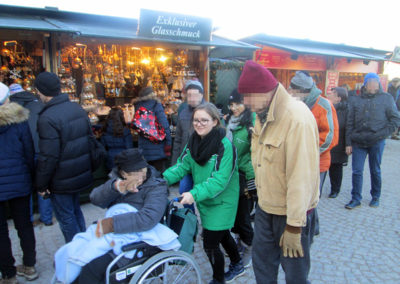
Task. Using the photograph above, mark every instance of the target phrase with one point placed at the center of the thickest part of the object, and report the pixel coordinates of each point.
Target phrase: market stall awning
(88, 25)
(301, 46)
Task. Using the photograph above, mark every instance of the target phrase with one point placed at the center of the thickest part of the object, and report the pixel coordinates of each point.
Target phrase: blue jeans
(185, 185)
(68, 213)
(45, 210)
(358, 160)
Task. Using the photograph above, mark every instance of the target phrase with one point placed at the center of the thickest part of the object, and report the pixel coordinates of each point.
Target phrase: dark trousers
(69, 214)
(336, 176)
(242, 222)
(20, 213)
(211, 242)
(267, 255)
(95, 271)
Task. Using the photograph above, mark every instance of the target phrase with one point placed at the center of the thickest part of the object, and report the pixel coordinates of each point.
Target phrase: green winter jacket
(216, 185)
(242, 144)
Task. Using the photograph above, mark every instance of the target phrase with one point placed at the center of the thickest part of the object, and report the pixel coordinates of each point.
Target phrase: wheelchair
(152, 265)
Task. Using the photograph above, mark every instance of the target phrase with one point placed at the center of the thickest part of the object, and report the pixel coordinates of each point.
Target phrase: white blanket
(85, 247)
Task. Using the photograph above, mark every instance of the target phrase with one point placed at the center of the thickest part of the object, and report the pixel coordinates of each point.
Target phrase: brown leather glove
(290, 242)
(104, 226)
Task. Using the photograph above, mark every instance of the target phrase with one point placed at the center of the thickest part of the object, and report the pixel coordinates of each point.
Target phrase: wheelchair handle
(178, 199)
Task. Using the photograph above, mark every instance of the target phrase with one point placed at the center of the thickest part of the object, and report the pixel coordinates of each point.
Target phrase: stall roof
(305, 46)
(88, 25)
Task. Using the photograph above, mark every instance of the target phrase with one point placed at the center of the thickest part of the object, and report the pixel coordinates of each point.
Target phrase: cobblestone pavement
(357, 246)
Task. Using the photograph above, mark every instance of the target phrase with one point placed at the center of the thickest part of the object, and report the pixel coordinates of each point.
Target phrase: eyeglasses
(202, 121)
(234, 106)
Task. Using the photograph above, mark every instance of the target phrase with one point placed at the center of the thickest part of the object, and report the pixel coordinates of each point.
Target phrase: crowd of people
(275, 144)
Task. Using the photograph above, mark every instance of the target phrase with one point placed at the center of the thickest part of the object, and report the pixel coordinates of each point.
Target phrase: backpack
(146, 124)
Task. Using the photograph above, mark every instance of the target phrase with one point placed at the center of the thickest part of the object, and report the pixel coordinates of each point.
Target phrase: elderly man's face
(372, 86)
(258, 102)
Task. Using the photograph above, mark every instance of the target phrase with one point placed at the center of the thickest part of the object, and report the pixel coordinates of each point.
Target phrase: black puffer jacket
(35, 106)
(371, 118)
(64, 160)
(338, 153)
(150, 201)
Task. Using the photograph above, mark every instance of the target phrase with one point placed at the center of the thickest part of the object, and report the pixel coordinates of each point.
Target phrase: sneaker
(29, 272)
(353, 204)
(374, 202)
(333, 195)
(246, 257)
(235, 270)
(12, 280)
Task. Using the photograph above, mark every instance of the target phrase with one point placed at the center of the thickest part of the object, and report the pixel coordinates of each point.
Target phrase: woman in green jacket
(211, 159)
(238, 129)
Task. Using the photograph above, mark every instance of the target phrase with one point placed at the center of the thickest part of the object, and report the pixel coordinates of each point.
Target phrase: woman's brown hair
(116, 116)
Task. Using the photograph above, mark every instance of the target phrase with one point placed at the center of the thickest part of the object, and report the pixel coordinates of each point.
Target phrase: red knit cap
(256, 78)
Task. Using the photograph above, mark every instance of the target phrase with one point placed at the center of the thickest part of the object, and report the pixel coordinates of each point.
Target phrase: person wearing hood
(64, 166)
(35, 106)
(372, 118)
(155, 154)
(16, 173)
(339, 158)
(194, 97)
(116, 136)
(132, 181)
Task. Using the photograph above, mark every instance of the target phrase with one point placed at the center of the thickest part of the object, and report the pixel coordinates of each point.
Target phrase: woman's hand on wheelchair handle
(187, 198)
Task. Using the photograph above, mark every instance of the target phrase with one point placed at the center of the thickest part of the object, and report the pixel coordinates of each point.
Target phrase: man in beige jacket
(285, 157)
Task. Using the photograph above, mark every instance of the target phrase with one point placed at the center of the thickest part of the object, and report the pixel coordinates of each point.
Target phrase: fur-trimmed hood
(151, 96)
(12, 113)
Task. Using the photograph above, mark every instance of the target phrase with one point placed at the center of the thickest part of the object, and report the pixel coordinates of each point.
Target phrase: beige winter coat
(285, 156)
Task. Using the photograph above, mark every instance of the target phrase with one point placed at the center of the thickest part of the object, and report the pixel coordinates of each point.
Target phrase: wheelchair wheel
(168, 267)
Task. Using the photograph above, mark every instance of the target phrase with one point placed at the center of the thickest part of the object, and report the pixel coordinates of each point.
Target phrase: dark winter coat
(150, 201)
(338, 153)
(184, 129)
(64, 163)
(371, 118)
(35, 106)
(114, 144)
(16, 152)
(154, 151)
(395, 92)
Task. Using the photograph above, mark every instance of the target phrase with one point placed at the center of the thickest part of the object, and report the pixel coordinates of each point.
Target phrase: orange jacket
(328, 127)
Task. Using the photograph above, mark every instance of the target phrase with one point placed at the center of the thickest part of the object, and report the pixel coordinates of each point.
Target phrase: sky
(366, 23)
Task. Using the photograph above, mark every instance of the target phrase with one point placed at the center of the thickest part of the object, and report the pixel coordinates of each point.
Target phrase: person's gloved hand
(167, 150)
(290, 242)
(104, 226)
(251, 185)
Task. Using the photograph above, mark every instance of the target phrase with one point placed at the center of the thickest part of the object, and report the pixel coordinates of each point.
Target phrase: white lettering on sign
(159, 30)
(173, 21)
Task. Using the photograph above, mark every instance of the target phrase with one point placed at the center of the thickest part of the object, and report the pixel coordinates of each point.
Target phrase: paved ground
(358, 246)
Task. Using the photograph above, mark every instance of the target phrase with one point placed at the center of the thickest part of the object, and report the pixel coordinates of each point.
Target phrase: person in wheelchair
(133, 182)
(211, 159)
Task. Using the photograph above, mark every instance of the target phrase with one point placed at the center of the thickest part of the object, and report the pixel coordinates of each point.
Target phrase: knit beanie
(4, 93)
(302, 80)
(15, 88)
(256, 78)
(191, 84)
(145, 91)
(235, 97)
(130, 160)
(48, 84)
(370, 76)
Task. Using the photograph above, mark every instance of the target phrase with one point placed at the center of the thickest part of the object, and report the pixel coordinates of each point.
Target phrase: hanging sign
(155, 24)
(332, 81)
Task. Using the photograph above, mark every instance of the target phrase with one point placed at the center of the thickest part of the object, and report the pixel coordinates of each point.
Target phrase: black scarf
(202, 149)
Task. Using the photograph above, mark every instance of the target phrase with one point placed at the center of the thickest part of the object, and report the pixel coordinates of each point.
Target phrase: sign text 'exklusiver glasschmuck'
(157, 24)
